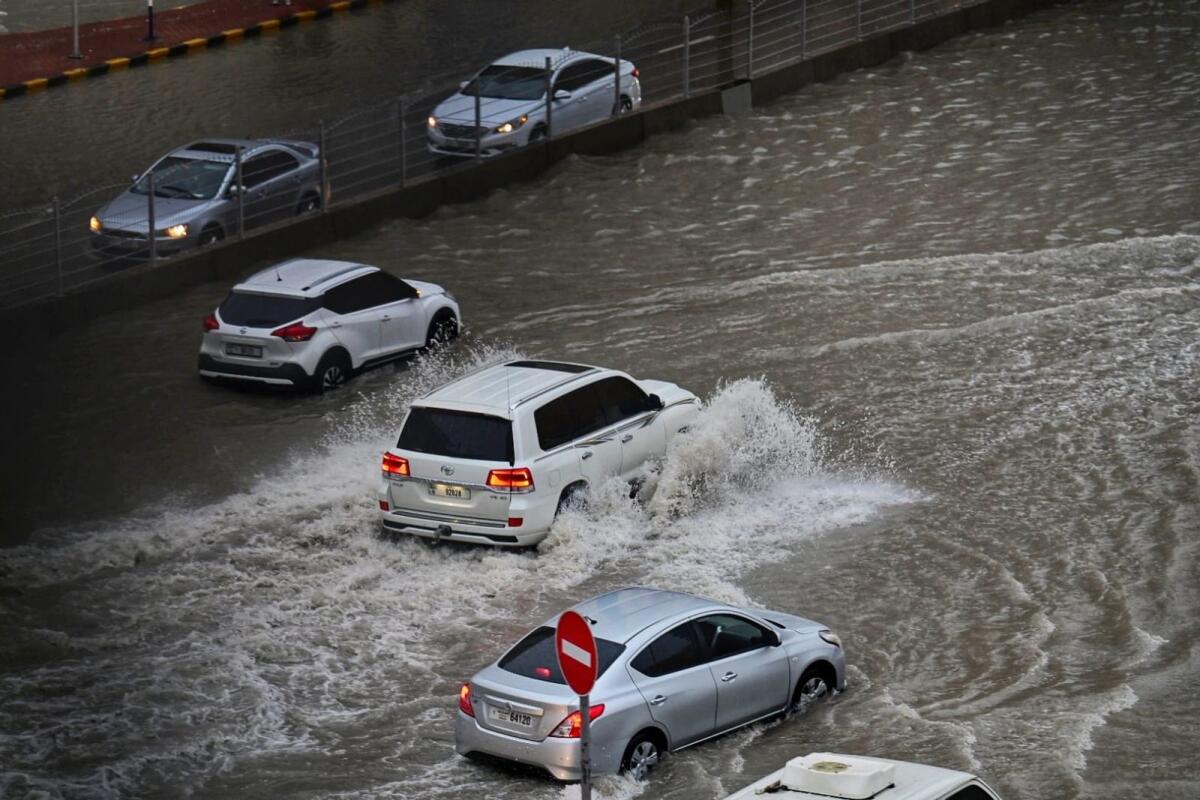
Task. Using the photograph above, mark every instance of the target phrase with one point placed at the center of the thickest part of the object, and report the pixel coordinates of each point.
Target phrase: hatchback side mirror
(562, 94)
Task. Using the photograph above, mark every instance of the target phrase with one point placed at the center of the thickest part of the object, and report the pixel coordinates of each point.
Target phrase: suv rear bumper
(559, 757)
(499, 535)
(282, 375)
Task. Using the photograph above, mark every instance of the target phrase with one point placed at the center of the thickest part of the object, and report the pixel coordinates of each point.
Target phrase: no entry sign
(576, 650)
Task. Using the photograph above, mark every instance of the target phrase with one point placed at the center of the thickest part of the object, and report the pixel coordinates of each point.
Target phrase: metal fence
(54, 248)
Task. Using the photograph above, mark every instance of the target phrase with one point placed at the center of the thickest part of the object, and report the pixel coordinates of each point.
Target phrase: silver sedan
(674, 670)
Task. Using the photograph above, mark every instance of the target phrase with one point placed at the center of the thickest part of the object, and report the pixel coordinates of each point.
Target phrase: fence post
(323, 167)
(912, 10)
(687, 52)
(151, 233)
(241, 190)
(403, 143)
(478, 124)
(150, 37)
(803, 30)
(858, 22)
(75, 30)
(549, 98)
(750, 41)
(617, 79)
(58, 244)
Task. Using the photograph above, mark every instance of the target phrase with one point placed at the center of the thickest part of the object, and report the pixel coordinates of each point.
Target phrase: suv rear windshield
(534, 656)
(265, 310)
(457, 434)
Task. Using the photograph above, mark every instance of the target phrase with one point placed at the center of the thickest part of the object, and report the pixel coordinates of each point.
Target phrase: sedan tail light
(395, 465)
(296, 332)
(572, 726)
(211, 323)
(637, 73)
(464, 700)
(513, 480)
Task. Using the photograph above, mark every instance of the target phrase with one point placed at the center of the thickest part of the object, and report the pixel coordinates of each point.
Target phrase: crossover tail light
(296, 332)
(211, 323)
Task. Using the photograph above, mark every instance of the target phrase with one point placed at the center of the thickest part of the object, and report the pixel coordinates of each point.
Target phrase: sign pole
(585, 759)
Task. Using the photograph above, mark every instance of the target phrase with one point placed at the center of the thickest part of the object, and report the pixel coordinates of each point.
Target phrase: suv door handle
(627, 438)
(658, 700)
(586, 455)
(728, 676)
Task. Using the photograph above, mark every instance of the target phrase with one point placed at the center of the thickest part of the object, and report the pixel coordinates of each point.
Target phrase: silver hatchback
(674, 670)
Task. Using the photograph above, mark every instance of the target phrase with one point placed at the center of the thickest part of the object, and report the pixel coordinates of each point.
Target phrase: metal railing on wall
(55, 248)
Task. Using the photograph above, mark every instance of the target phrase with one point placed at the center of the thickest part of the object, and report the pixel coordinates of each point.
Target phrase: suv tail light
(211, 323)
(395, 465)
(464, 700)
(296, 332)
(514, 480)
(572, 726)
(637, 73)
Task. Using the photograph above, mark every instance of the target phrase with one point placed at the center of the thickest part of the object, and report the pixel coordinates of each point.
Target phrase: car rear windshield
(508, 83)
(534, 656)
(264, 310)
(457, 434)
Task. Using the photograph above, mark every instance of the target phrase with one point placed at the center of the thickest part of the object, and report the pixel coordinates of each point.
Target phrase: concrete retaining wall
(232, 259)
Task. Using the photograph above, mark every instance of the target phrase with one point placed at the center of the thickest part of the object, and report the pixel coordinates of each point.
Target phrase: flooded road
(945, 317)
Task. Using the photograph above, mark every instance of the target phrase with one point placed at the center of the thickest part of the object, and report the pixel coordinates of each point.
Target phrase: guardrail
(53, 248)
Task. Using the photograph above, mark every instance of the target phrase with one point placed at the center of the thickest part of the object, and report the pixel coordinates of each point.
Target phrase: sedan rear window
(457, 434)
(534, 656)
(264, 310)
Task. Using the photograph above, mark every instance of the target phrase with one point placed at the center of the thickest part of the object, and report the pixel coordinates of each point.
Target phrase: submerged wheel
(442, 330)
(626, 105)
(812, 687)
(308, 204)
(538, 134)
(211, 235)
(332, 372)
(574, 495)
(642, 755)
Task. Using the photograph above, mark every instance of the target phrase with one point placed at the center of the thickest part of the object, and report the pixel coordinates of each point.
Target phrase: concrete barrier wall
(232, 259)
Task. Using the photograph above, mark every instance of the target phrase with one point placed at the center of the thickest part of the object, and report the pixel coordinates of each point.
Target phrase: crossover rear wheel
(643, 754)
(332, 371)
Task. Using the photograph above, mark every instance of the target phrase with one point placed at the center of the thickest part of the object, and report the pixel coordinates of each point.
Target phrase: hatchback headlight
(831, 637)
(177, 231)
(431, 122)
(94, 224)
(513, 124)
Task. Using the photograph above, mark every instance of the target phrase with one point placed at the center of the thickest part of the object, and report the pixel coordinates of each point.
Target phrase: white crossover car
(512, 101)
(831, 776)
(492, 457)
(313, 323)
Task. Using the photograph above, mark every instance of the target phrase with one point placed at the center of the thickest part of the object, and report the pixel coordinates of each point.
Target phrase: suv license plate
(246, 350)
(511, 717)
(449, 490)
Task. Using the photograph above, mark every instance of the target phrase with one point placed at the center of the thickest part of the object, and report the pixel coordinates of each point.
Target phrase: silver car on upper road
(512, 101)
(196, 195)
(674, 670)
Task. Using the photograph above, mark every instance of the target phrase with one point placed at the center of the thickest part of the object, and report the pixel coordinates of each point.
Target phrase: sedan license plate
(511, 717)
(450, 490)
(246, 350)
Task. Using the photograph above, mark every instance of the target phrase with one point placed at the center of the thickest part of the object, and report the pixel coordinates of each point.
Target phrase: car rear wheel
(626, 105)
(811, 689)
(642, 755)
(332, 372)
(574, 496)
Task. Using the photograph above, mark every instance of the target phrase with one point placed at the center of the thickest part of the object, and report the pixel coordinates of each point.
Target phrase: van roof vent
(838, 776)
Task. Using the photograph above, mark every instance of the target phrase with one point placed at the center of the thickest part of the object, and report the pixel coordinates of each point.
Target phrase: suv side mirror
(654, 403)
(562, 94)
(134, 178)
(462, 85)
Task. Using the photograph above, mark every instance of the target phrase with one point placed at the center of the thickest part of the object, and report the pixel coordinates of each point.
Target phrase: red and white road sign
(576, 650)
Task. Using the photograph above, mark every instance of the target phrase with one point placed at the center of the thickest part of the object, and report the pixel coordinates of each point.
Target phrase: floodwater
(945, 315)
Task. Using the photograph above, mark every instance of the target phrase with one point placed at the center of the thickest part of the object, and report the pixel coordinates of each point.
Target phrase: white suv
(493, 456)
(312, 323)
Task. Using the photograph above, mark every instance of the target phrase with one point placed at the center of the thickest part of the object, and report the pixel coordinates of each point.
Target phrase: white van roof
(909, 781)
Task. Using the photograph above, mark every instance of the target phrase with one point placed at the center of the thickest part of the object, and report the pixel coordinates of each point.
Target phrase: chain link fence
(451, 124)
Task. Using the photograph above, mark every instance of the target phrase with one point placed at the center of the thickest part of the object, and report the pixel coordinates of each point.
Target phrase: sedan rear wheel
(641, 756)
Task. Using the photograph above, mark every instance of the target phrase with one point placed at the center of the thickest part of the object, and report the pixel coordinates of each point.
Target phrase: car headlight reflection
(94, 224)
(513, 124)
(177, 231)
(830, 637)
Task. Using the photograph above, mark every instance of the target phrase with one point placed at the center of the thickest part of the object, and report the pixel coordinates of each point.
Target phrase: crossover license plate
(246, 350)
(450, 490)
(511, 717)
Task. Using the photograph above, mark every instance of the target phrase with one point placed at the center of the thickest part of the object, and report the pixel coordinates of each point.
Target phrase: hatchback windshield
(534, 656)
(189, 178)
(457, 434)
(264, 310)
(508, 83)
